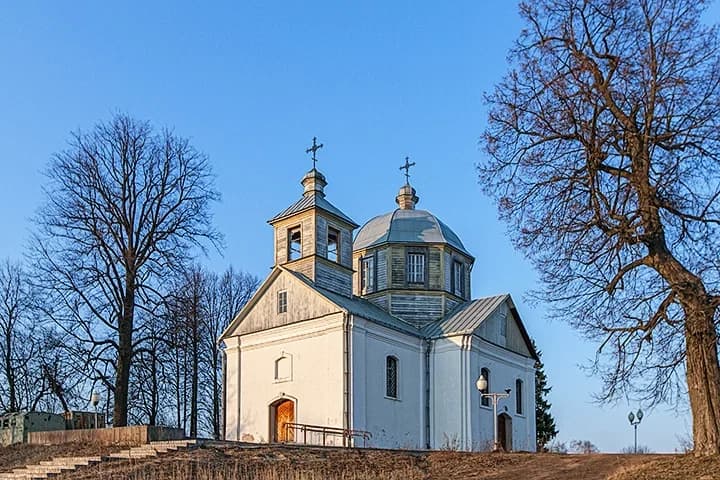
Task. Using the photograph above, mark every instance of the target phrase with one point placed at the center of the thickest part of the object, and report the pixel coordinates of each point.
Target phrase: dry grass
(19, 455)
(264, 462)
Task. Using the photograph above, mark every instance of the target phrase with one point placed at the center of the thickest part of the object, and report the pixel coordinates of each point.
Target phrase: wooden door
(505, 431)
(284, 413)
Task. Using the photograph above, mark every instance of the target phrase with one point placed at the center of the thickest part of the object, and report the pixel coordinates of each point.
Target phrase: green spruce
(544, 422)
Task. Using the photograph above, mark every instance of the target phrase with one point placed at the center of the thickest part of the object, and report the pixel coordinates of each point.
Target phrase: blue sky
(251, 83)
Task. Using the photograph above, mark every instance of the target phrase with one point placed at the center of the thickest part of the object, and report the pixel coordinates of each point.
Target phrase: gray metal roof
(307, 202)
(406, 226)
(362, 308)
(466, 318)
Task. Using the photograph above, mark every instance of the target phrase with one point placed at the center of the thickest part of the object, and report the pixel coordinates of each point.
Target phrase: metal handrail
(347, 434)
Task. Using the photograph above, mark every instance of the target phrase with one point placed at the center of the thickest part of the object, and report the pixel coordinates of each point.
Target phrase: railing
(346, 434)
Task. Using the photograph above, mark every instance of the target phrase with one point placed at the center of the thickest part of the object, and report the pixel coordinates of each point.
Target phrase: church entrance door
(505, 431)
(282, 413)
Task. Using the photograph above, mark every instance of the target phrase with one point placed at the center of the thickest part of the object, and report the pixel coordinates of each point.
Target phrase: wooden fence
(136, 435)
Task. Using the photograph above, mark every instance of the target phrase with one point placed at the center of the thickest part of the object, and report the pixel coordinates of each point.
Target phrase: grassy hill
(225, 461)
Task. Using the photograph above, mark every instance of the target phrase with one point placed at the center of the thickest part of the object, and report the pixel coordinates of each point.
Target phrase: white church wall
(505, 368)
(459, 420)
(310, 373)
(445, 388)
(394, 423)
(232, 390)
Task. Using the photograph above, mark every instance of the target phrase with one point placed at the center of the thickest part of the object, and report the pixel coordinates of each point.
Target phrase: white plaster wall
(445, 386)
(459, 420)
(505, 367)
(394, 423)
(315, 384)
(232, 388)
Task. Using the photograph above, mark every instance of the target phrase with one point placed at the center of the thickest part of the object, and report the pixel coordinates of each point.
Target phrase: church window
(519, 396)
(282, 302)
(416, 267)
(294, 243)
(333, 239)
(391, 377)
(458, 278)
(486, 400)
(368, 274)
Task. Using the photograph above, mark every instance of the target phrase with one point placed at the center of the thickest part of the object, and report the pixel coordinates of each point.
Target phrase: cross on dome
(315, 147)
(406, 167)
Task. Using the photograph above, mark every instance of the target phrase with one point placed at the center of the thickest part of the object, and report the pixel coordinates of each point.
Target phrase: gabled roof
(309, 202)
(466, 318)
(251, 303)
(355, 305)
(362, 308)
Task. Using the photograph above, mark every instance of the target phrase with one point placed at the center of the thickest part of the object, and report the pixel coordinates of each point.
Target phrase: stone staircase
(57, 466)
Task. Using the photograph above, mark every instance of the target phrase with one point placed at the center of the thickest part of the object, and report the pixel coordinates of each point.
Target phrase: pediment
(262, 312)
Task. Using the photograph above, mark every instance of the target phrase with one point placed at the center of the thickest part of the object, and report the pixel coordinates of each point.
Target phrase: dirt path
(444, 465)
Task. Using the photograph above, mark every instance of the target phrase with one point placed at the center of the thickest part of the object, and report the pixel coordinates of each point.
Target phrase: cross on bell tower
(407, 197)
(406, 167)
(315, 147)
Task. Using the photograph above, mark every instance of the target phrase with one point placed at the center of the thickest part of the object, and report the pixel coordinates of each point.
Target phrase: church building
(368, 335)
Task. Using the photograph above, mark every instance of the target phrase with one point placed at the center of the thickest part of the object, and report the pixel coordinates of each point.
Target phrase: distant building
(378, 334)
(14, 427)
(77, 420)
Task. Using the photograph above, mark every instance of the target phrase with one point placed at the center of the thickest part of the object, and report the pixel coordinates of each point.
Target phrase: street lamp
(635, 421)
(95, 400)
(482, 385)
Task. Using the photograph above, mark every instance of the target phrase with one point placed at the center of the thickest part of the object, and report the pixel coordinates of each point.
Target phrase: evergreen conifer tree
(544, 422)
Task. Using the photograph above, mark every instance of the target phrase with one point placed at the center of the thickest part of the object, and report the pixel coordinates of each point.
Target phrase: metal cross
(315, 147)
(406, 167)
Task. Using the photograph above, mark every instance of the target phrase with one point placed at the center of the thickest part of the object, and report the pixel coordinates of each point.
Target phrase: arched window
(519, 396)
(391, 377)
(486, 373)
(294, 244)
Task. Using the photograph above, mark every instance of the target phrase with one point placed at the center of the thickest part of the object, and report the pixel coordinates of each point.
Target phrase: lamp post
(95, 400)
(635, 420)
(482, 386)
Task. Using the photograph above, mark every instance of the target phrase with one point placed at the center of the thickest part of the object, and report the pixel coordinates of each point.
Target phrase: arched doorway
(282, 412)
(505, 431)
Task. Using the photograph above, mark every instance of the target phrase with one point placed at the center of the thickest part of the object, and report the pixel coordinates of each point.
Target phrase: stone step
(42, 469)
(128, 454)
(187, 441)
(72, 461)
(21, 476)
(58, 465)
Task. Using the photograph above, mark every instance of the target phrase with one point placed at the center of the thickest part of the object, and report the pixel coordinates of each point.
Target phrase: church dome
(406, 225)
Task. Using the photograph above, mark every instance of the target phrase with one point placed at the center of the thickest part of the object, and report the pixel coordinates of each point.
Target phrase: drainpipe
(223, 410)
(346, 376)
(428, 347)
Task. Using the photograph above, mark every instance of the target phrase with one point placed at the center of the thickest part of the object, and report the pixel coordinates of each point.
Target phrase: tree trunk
(195, 371)
(9, 372)
(703, 379)
(124, 358)
(701, 355)
(154, 395)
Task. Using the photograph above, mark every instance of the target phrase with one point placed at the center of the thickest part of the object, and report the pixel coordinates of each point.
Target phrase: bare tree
(583, 446)
(125, 205)
(604, 157)
(225, 296)
(20, 340)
